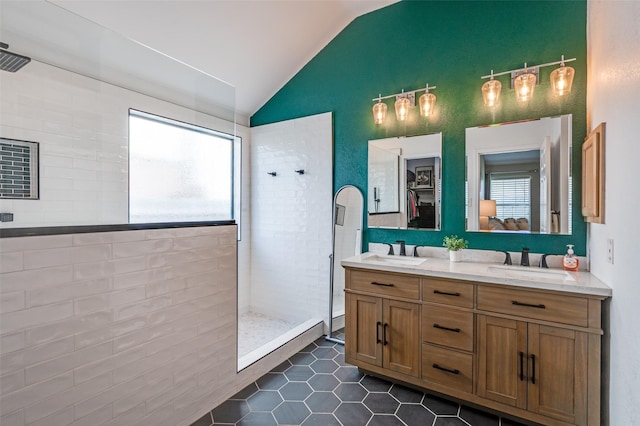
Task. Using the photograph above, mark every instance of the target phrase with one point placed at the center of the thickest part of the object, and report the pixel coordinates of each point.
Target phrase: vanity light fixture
(404, 102)
(402, 105)
(524, 80)
(562, 79)
(491, 92)
(379, 111)
(427, 102)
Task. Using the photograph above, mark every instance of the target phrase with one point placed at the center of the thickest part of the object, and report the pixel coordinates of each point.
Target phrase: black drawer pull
(446, 369)
(444, 293)
(384, 334)
(378, 324)
(540, 306)
(441, 327)
(533, 369)
(382, 284)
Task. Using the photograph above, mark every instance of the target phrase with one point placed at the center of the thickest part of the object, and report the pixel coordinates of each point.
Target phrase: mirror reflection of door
(423, 193)
(383, 180)
(416, 174)
(545, 187)
(348, 209)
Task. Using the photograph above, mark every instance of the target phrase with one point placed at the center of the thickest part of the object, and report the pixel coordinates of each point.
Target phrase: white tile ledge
(581, 282)
(269, 347)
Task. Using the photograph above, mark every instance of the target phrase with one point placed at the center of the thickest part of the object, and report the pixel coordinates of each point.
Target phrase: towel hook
(300, 172)
(272, 173)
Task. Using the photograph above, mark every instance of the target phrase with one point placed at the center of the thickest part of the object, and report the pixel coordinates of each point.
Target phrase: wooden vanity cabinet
(539, 367)
(382, 330)
(448, 334)
(530, 353)
(534, 367)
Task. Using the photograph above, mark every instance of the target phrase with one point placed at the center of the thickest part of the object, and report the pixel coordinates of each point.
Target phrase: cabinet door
(363, 333)
(558, 373)
(593, 176)
(502, 360)
(401, 337)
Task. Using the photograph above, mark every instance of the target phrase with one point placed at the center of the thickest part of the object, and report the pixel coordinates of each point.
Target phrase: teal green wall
(449, 44)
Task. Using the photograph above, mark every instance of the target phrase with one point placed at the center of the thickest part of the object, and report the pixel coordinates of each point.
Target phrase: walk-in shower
(285, 291)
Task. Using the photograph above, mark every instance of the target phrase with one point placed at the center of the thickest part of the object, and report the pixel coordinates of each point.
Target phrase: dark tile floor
(315, 387)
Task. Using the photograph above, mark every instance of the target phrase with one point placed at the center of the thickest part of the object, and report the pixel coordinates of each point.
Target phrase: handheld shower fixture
(11, 62)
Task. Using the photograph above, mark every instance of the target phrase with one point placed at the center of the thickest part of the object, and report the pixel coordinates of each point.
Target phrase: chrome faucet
(524, 258)
(403, 248)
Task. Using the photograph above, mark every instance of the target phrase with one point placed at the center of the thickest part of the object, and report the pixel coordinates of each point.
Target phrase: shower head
(11, 62)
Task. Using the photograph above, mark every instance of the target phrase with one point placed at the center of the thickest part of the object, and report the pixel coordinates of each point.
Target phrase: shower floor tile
(254, 330)
(308, 390)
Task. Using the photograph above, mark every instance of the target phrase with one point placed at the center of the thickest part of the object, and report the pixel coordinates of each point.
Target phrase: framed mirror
(519, 176)
(410, 176)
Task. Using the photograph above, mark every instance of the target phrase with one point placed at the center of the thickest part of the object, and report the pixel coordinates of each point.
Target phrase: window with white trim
(178, 172)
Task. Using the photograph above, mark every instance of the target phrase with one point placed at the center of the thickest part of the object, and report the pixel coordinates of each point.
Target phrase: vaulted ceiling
(254, 45)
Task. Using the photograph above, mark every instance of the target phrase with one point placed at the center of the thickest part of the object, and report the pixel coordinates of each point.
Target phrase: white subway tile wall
(82, 127)
(83, 155)
(291, 231)
(118, 328)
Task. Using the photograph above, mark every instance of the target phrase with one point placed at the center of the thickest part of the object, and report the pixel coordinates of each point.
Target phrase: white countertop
(581, 282)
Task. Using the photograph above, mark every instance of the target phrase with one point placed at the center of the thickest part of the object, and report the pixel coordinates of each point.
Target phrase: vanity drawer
(405, 286)
(447, 327)
(533, 304)
(447, 367)
(447, 292)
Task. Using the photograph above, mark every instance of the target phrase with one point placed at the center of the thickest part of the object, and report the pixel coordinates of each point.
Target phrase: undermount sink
(394, 260)
(531, 273)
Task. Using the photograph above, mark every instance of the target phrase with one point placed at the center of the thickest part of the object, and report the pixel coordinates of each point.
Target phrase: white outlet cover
(610, 250)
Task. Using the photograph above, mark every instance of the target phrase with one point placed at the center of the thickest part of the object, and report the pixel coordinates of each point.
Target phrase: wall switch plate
(610, 250)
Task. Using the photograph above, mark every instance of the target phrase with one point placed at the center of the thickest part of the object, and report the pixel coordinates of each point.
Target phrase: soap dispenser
(570, 261)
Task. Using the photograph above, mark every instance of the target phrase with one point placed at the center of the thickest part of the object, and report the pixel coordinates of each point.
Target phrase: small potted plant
(454, 244)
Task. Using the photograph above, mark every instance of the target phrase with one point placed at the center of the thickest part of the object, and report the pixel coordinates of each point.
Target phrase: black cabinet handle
(444, 293)
(382, 284)
(446, 369)
(378, 324)
(441, 327)
(384, 334)
(533, 369)
(521, 365)
(540, 306)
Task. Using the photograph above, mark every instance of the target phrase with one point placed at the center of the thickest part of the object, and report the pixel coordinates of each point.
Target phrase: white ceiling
(254, 45)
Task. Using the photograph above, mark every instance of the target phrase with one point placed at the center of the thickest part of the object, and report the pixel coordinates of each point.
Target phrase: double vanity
(522, 341)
